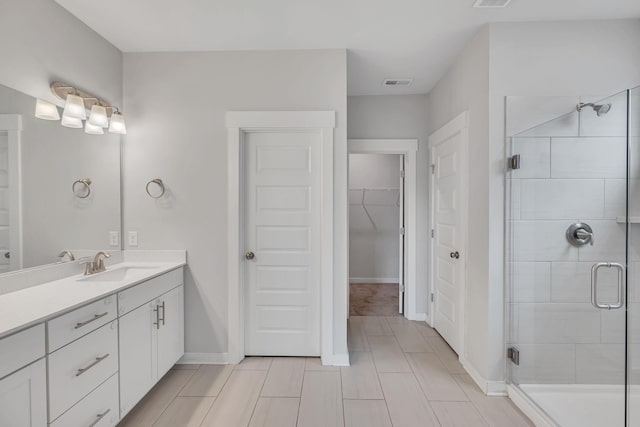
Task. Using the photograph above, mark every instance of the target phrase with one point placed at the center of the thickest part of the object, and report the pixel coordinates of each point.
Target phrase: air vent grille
(491, 3)
(397, 82)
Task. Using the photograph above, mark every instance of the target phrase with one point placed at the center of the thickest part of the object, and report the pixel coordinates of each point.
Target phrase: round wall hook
(155, 194)
(81, 188)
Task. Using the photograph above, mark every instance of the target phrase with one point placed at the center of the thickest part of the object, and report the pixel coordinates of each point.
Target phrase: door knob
(249, 255)
(455, 255)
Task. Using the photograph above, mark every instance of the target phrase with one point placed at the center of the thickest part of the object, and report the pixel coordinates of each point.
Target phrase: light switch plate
(114, 238)
(133, 238)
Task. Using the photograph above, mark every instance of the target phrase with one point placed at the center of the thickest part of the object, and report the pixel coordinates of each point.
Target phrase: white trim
(204, 358)
(458, 125)
(393, 280)
(535, 414)
(421, 317)
(490, 388)
(281, 119)
(408, 148)
(239, 122)
(341, 359)
(12, 124)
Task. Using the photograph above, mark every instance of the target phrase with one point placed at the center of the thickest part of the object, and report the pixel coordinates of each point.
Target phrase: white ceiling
(385, 38)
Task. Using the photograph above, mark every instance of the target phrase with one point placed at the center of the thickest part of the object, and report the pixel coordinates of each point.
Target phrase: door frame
(238, 123)
(459, 125)
(12, 124)
(408, 148)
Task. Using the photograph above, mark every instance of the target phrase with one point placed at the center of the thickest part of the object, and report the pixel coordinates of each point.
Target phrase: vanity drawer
(144, 292)
(80, 367)
(100, 408)
(20, 349)
(71, 326)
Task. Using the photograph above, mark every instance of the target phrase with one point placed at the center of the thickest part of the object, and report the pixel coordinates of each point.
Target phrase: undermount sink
(118, 274)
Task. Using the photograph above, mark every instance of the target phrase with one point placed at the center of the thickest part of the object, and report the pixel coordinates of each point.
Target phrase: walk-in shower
(573, 257)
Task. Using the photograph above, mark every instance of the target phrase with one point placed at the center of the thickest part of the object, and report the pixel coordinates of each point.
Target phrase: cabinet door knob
(249, 255)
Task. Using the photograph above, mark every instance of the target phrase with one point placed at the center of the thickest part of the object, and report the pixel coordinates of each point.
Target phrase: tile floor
(402, 374)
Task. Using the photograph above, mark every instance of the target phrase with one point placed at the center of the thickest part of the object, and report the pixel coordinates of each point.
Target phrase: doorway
(376, 234)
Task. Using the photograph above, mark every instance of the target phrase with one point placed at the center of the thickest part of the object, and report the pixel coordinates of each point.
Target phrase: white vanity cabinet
(151, 334)
(23, 383)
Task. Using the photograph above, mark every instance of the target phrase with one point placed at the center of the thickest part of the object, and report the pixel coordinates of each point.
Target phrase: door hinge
(433, 233)
(402, 174)
(514, 355)
(402, 231)
(433, 168)
(514, 162)
(431, 296)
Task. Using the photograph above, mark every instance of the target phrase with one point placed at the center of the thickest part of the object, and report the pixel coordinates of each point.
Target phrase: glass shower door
(567, 249)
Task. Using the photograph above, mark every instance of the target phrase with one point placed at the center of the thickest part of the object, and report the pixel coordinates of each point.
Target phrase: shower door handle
(594, 285)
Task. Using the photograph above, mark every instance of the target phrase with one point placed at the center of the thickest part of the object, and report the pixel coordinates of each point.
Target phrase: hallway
(402, 374)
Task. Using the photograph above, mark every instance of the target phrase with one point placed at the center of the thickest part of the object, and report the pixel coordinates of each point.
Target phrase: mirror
(59, 188)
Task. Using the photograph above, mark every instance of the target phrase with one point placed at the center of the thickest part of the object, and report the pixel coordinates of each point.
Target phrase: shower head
(600, 109)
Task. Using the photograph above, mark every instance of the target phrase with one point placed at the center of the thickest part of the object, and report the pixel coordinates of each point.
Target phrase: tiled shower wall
(573, 170)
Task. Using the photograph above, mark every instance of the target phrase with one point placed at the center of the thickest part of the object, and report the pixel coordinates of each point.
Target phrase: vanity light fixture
(46, 110)
(76, 103)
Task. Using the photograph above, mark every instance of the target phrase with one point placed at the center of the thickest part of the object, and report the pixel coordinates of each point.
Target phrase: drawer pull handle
(95, 362)
(93, 319)
(162, 318)
(100, 417)
(158, 318)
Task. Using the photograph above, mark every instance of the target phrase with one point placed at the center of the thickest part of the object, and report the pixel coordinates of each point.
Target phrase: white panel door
(401, 266)
(448, 268)
(282, 242)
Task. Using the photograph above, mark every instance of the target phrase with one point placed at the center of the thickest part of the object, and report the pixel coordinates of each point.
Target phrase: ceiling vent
(397, 82)
(491, 3)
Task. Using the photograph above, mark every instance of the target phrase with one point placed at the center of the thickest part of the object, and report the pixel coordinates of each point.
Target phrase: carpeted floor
(373, 299)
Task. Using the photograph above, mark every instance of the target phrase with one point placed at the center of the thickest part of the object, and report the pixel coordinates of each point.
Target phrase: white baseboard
(373, 280)
(341, 359)
(490, 388)
(420, 317)
(204, 359)
(539, 418)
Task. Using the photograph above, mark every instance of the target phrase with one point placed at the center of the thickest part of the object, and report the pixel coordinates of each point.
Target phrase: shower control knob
(249, 255)
(455, 255)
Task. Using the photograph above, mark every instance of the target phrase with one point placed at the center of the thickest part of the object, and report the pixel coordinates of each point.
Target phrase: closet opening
(376, 234)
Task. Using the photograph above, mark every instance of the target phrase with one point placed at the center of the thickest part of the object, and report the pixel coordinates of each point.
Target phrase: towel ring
(81, 188)
(160, 184)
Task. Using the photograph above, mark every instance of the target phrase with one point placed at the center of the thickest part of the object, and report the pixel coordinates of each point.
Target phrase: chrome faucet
(68, 254)
(97, 265)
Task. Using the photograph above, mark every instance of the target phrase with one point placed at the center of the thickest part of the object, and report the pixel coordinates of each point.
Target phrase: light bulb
(98, 116)
(74, 108)
(93, 130)
(71, 122)
(117, 124)
(46, 110)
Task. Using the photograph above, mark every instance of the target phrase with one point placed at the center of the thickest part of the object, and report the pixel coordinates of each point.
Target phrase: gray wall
(400, 117)
(176, 105)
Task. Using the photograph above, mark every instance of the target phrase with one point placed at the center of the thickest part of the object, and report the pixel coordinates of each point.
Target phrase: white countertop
(26, 307)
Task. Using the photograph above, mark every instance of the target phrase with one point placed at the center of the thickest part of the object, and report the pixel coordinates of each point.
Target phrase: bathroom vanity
(84, 349)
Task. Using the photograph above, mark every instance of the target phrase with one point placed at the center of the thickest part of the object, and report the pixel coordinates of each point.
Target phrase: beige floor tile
(254, 363)
(376, 325)
(315, 364)
(235, 404)
(275, 412)
(366, 413)
(436, 382)
(185, 412)
(388, 355)
(149, 409)
(321, 402)
(425, 330)
(360, 380)
(458, 414)
(285, 377)
(207, 381)
(408, 407)
(446, 354)
(356, 336)
(397, 320)
(410, 340)
(186, 366)
(498, 411)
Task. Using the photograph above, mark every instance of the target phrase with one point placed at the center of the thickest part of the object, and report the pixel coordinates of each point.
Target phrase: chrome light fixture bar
(76, 103)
